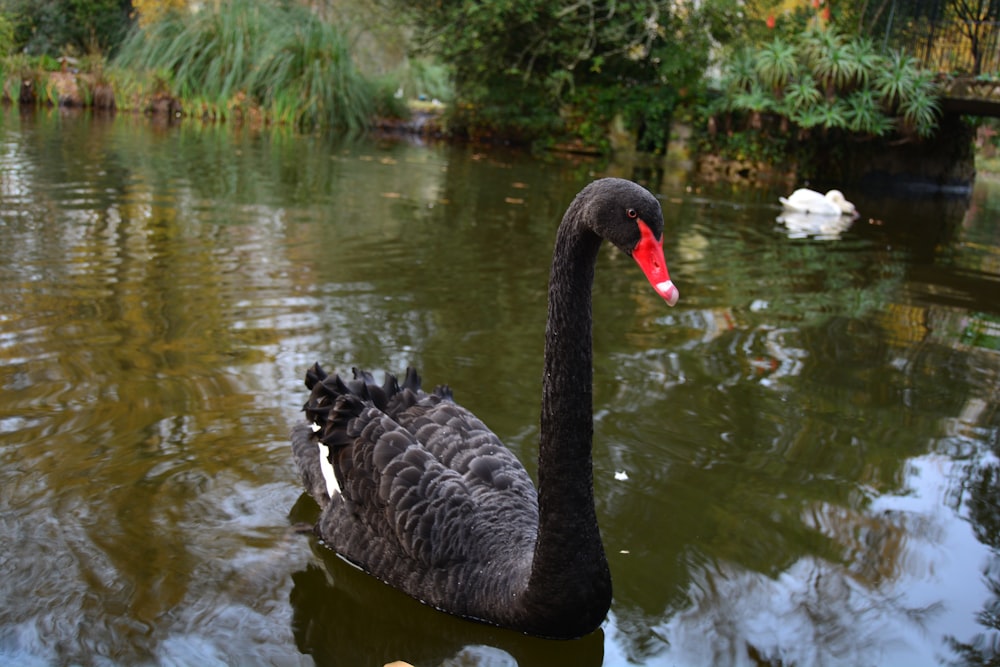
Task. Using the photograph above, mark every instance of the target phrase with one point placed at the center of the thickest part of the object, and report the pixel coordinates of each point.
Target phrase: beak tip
(669, 292)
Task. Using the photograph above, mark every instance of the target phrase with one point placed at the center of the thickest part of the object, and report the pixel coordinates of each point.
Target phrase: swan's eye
(631, 213)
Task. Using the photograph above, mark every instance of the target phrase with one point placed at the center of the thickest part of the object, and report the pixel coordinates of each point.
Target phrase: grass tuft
(249, 54)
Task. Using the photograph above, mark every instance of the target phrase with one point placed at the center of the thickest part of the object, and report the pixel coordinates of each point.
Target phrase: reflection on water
(804, 225)
(335, 604)
(797, 465)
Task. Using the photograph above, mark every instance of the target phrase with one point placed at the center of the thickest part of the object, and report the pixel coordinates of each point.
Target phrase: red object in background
(770, 21)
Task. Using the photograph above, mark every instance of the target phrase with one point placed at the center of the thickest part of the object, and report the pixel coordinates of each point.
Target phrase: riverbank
(941, 163)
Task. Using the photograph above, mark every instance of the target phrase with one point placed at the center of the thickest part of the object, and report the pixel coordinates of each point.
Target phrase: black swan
(417, 491)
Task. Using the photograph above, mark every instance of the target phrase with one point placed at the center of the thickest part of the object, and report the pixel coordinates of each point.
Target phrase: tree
(54, 27)
(975, 18)
(531, 67)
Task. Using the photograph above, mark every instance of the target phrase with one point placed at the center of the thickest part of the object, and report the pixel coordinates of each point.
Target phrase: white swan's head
(837, 198)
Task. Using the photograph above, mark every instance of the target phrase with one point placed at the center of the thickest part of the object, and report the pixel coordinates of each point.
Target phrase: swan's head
(630, 217)
(837, 198)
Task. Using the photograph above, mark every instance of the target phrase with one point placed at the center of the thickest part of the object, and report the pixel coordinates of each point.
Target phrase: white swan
(810, 202)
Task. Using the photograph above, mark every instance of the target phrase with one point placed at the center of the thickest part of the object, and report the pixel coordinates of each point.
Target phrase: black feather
(430, 500)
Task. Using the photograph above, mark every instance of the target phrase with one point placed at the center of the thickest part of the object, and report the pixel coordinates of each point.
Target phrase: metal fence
(938, 34)
(948, 47)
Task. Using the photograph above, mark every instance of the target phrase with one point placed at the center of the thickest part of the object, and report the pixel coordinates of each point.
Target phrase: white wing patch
(332, 488)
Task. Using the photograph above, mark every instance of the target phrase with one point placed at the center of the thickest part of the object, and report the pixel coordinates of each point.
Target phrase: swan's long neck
(569, 569)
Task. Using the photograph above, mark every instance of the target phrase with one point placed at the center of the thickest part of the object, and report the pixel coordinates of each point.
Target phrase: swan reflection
(342, 616)
(803, 225)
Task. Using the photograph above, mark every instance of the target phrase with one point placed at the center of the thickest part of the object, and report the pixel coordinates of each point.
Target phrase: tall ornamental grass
(280, 59)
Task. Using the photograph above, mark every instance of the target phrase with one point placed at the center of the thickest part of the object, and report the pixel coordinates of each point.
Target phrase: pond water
(797, 465)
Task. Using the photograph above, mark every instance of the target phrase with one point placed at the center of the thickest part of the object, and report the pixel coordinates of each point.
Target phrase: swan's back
(808, 201)
(805, 200)
(424, 495)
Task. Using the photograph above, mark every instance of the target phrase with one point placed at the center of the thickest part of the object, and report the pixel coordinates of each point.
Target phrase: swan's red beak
(648, 254)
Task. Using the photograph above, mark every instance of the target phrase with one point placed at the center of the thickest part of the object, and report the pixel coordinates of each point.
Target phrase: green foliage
(866, 58)
(776, 63)
(815, 42)
(251, 53)
(835, 65)
(133, 88)
(910, 93)
(305, 62)
(56, 27)
(425, 78)
(801, 94)
(529, 68)
(15, 70)
(833, 114)
(741, 70)
(808, 117)
(897, 78)
(756, 99)
(920, 108)
(7, 43)
(645, 110)
(821, 79)
(864, 114)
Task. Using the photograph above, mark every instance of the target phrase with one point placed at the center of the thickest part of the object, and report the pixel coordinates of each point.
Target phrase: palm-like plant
(921, 109)
(754, 100)
(834, 115)
(776, 63)
(867, 61)
(865, 115)
(824, 80)
(897, 79)
(741, 72)
(808, 117)
(836, 65)
(816, 41)
(801, 94)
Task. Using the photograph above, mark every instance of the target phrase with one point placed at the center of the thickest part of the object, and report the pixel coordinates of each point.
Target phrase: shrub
(279, 58)
(821, 81)
(55, 27)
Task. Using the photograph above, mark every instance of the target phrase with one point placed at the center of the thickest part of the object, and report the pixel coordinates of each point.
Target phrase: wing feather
(419, 475)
